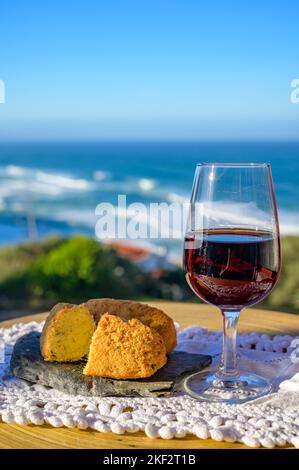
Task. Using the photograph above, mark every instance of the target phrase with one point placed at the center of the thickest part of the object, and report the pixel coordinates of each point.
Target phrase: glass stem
(228, 365)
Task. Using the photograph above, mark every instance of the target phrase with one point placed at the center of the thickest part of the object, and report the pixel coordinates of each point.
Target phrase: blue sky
(148, 69)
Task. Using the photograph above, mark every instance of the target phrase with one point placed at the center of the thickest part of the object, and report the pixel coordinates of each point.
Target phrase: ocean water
(58, 185)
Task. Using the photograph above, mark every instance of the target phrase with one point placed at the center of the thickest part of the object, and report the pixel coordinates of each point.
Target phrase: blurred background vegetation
(36, 275)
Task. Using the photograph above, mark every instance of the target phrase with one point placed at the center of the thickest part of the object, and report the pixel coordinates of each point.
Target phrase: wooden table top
(13, 436)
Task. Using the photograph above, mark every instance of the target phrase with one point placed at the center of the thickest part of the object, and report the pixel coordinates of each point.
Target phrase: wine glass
(232, 261)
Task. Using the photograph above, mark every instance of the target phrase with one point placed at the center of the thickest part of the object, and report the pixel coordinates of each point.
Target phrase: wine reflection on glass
(231, 260)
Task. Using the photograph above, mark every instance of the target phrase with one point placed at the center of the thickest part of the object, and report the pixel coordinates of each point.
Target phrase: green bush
(15, 259)
(70, 270)
(285, 295)
(81, 268)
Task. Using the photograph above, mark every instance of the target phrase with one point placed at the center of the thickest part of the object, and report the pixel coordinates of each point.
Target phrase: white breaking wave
(13, 170)
(100, 175)
(82, 217)
(18, 179)
(143, 187)
(174, 197)
(24, 188)
(289, 222)
(63, 182)
(146, 184)
(227, 214)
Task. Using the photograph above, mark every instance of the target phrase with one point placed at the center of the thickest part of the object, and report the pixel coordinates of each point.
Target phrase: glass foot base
(209, 386)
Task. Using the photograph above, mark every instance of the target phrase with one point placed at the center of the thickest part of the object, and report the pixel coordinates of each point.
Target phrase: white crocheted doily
(268, 422)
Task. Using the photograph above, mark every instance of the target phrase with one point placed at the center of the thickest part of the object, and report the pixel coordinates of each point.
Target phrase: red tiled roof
(133, 253)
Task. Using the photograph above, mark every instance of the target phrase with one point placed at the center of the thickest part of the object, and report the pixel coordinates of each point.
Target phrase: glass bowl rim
(235, 164)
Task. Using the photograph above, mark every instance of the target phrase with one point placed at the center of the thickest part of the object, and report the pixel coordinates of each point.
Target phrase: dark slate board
(27, 363)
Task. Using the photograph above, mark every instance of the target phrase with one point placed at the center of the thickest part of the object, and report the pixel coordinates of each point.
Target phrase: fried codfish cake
(67, 333)
(124, 350)
(127, 310)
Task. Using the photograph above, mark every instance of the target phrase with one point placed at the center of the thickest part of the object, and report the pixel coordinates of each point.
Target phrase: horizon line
(148, 140)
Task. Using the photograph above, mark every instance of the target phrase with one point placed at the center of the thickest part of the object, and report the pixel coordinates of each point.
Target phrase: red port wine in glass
(232, 261)
(231, 267)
